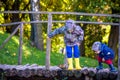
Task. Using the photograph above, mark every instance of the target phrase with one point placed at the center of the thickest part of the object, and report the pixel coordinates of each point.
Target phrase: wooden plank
(48, 48)
(20, 45)
(72, 13)
(84, 22)
(3, 44)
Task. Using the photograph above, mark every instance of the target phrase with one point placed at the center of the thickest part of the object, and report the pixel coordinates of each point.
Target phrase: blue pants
(73, 49)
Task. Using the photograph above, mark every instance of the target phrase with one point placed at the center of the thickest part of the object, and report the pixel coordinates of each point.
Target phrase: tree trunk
(36, 29)
(113, 37)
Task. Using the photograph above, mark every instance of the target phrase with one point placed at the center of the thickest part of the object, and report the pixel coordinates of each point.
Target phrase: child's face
(97, 52)
(70, 31)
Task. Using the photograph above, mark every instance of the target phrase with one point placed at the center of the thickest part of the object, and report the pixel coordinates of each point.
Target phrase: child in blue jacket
(73, 36)
(105, 54)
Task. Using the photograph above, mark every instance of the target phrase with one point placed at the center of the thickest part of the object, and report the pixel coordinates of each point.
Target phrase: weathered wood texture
(36, 72)
(20, 45)
(48, 42)
(70, 13)
(3, 44)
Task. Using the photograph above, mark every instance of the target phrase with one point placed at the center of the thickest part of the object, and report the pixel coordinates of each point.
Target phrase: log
(36, 70)
(39, 72)
(113, 75)
(84, 71)
(91, 78)
(33, 72)
(4, 67)
(27, 71)
(46, 73)
(77, 73)
(64, 72)
(91, 72)
(1, 71)
(54, 73)
(59, 72)
(7, 72)
(87, 78)
(105, 73)
(98, 75)
(70, 73)
(21, 71)
(13, 72)
(55, 68)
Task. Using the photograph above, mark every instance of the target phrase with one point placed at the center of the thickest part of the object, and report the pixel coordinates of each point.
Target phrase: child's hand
(48, 37)
(78, 44)
(103, 59)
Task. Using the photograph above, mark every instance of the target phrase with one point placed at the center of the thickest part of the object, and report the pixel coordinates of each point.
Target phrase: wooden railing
(20, 41)
(50, 21)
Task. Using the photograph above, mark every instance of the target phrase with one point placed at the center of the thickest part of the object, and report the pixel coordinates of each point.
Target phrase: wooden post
(20, 45)
(119, 53)
(48, 47)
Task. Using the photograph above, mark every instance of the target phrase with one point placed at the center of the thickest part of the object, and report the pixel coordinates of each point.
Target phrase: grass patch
(31, 55)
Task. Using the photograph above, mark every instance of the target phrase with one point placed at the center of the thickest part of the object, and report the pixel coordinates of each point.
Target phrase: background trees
(37, 32)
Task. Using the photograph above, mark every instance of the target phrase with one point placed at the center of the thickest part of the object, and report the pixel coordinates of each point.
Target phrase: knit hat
(69, 24)
(96, 46)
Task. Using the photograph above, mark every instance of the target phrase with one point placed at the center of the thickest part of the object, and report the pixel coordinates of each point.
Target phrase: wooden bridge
(28, 72)
(36, 72)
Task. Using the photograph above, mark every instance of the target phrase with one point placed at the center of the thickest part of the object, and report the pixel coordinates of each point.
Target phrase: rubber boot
(70, 63)
(77, 64)
(100, 66)
(112, 69)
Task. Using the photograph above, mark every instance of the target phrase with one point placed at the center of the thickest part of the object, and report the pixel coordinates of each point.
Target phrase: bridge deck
(28, 72)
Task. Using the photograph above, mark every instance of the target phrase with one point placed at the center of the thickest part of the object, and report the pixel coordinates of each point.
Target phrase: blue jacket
(106, 52)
